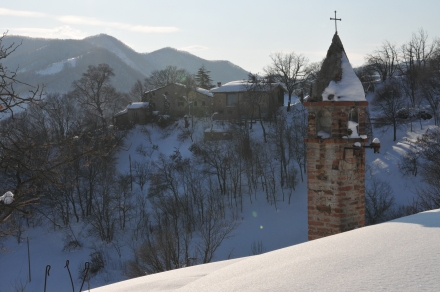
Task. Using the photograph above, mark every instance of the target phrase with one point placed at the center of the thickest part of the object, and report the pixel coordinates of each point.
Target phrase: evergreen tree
(203, 79)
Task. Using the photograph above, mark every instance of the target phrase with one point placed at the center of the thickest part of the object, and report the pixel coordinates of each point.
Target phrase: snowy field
(396, 256)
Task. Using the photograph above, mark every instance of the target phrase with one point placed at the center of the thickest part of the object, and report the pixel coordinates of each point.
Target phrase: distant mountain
(221, 71)
(57, 63)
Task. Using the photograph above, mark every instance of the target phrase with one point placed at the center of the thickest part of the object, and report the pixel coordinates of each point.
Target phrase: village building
(245, 99)
(177, 101)
(135, 113)
(336, 143)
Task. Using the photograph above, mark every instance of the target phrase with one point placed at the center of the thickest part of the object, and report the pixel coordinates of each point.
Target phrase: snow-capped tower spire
(336, 147)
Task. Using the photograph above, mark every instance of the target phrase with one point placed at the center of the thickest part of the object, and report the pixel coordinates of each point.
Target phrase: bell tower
(336, 143)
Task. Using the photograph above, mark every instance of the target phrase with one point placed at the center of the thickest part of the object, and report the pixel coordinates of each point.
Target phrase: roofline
(179, 84)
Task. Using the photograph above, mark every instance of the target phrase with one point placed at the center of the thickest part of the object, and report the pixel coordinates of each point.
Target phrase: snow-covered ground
(405, 251)
(58, 66)
(400, 255)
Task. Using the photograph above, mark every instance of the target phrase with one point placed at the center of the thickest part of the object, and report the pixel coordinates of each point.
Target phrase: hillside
(261, 224)
(57, 63)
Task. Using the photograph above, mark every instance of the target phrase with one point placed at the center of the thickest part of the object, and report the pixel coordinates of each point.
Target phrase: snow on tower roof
(336, 80)
(349, 88)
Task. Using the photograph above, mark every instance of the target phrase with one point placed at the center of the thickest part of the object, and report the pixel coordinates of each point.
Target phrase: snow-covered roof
(400, 255)
(133, 105)
(136, 105)
(241, 86)
(204, 91)
(124, 111)
(198, 89)
(349, 88)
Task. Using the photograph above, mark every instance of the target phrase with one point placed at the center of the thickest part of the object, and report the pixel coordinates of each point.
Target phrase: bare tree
(415, 59)
(258, 92)
(430, 86)
(388, 100)
(278, 139)
(10, 101)
(312, 71)
(213, 227)
(429, 194)
(367, 76)
(295, 135)
(288, 69)
(137, 91)
(96, 94)
(384, 61)
(161, 78)
(141, 173)
(379, 201)
(409, 162)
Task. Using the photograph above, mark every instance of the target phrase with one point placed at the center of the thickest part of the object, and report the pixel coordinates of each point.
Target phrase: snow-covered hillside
(350, 261)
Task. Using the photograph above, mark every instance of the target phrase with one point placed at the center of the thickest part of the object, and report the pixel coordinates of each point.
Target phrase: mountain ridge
(58, 62)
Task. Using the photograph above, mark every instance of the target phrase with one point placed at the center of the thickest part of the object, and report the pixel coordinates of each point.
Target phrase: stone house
(176, 101)
(135, 113)
(244, 99)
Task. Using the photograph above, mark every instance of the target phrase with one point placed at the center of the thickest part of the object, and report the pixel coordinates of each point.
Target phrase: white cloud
(72, 19)
(194, 48)
(61, 32)
(79, 20)
(21, 13)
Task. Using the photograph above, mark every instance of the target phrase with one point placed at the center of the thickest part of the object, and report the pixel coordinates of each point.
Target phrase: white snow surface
(237, 86)
(7, 198)
(133, 105)
(349, 88)
(400, 255)
(198, 89)
(353, 127)
(136, 105)
(204, 91)
(57, 67)
(323, 135)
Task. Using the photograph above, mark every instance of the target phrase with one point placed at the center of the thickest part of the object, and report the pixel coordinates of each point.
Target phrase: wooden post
(29, 259)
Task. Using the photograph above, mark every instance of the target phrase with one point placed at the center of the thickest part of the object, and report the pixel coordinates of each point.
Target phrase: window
(180, 103)
(353, 115)
(203, 103)
(195, 103)
(324, 124)
(154, 93)
(231, 99)
(353, 123)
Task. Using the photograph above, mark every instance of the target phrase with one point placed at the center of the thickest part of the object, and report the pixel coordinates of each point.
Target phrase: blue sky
(240, 31)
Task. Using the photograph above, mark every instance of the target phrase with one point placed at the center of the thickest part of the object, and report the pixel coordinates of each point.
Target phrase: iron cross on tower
(336, 28)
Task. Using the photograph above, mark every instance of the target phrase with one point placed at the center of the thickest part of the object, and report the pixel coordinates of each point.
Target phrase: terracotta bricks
(336, 173)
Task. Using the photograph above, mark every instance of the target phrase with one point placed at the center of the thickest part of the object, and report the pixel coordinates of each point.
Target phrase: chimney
(219, 84)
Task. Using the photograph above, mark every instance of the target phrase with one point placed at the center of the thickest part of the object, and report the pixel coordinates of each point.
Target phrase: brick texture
(335, 170)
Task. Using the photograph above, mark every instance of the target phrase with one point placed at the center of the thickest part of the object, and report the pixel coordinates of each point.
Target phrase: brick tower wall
(335, 171)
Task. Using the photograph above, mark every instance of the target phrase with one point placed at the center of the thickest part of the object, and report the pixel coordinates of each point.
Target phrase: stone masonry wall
(336, 172)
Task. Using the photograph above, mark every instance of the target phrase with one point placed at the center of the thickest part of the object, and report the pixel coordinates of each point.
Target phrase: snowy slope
(401, 255)
(275, 228)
